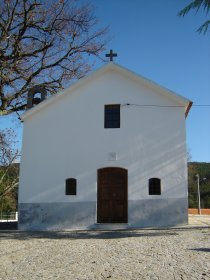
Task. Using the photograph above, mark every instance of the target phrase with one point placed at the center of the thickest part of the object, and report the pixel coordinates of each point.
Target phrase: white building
(109, 150)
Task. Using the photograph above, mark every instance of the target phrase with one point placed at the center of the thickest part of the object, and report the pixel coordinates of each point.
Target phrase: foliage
(9, 171)
(44, 44)
(196, 5)
(203, 169)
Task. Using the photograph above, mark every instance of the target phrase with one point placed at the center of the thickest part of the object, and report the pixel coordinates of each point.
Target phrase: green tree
(9, 171)
(197, 5)
(203, 169)
(44, 44)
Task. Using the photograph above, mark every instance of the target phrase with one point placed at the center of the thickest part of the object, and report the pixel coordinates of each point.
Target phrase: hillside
(203, 169)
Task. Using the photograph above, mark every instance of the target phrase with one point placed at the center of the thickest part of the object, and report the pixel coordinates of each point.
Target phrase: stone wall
(195, 211)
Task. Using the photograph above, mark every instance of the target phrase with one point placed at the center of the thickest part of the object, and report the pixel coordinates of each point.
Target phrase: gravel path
(182, 253)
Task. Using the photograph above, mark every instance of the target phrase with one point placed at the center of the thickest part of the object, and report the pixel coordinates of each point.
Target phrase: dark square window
(71, 186)
(112, 116)
(154, 186)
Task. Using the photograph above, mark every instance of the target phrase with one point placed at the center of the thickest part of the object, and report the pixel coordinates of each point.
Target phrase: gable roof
(118, 68)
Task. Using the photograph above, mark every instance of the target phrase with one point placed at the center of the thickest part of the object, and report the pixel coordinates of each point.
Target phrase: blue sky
(151, 40)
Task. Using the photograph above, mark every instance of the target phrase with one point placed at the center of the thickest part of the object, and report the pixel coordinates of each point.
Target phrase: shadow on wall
(165, 165)
(163, 158)
(145, 156)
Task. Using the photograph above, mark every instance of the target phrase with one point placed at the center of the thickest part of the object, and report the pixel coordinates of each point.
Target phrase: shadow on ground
(8, 225)
(96, 234)
(206, 250)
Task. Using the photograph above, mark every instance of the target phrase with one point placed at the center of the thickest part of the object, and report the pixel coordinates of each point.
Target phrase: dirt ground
(181, 253)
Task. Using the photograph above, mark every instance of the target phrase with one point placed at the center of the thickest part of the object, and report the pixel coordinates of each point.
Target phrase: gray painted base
(158, 212)
(82, 215)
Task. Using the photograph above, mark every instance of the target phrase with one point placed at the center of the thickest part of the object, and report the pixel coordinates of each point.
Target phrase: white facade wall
(68, 139)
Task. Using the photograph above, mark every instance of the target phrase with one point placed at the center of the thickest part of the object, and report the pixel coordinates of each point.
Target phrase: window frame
(154, 186)
(71, 186)
(111, 118)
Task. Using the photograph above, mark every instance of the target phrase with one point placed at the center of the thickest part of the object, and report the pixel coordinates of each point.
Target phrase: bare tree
(9, 169)
(197, 5)
(46, 44)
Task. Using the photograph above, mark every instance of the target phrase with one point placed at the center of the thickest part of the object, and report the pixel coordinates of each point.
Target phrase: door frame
(98, 185)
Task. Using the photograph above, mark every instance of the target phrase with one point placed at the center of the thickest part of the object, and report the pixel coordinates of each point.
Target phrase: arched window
(154, 186)
(71, 186)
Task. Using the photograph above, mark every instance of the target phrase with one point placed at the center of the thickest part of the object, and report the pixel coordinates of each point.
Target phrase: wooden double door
(112, 203)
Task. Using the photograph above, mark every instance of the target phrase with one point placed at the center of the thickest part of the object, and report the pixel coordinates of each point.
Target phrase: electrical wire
(153, 105)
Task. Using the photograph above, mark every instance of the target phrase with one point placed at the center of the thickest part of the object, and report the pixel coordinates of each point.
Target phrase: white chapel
(107, 152)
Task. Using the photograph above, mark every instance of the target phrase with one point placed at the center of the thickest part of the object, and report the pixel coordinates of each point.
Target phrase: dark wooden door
(112, 204)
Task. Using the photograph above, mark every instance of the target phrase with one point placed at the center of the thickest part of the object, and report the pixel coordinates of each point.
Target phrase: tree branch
(46, 44)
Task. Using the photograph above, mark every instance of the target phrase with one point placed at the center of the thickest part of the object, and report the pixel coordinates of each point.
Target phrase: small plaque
(112, 156)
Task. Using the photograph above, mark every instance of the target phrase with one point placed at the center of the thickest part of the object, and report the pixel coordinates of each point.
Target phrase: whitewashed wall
(68, 139)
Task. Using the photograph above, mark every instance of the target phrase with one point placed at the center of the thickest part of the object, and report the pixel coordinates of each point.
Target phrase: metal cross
(111, 55)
